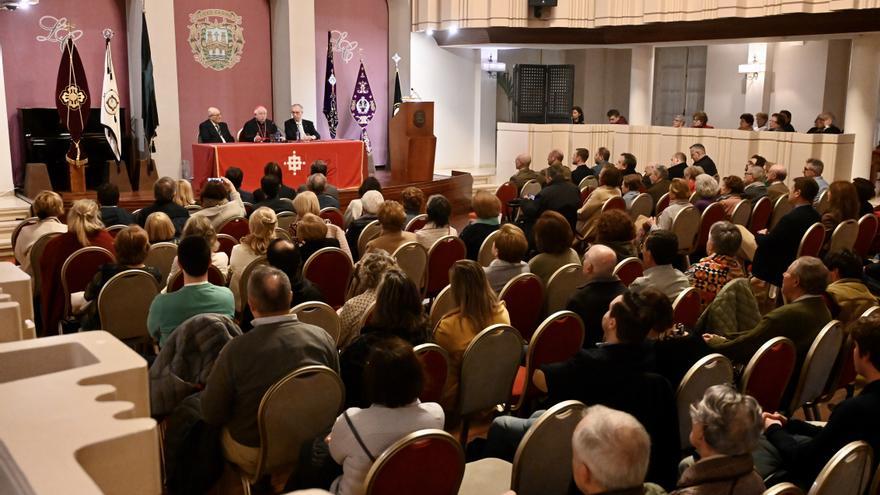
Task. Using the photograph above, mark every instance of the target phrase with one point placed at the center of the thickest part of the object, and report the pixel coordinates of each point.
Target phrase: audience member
(843, 204)
(320, 167)
(306, 202)
(761, 121)
(160, 228)
(702, 160)
(678, 121)
(777, 123)
(824, 124)
(48, 207)
(776, 178)
(701, 121)
(220, 202)
(111, 213)
(285, 256)
(626, 163)
(355, 207)
(865, 191)
(659, 183)
(524, 173)
(690, 175)
(391, 217)
(269, 186)
(755, 188)
(561, 196)
(591, 301)
(555, 156)
(756, 161)
(732, 188)
(679, 194)
(262, 222)
(601, 160)
(317, 183)
(614, 117)
(183, 194)
(588, 215)
(201, 226)
(577, 115)
(617, 231)
(252, 363)
(746, 122)
(673, 348)
(509, 249)
(581, 170)
(553, 239)
(677, 164)
(439, 212)
(787, 127)
(163, 194)
(554, 162)
(311, 232)
(236, 176)
(721, 265)
(370, 203)
(813, 168)
(413, 199)
(851, 298)
(274, 169)
(362, 293)
(197, 296)
(707, 190)
(487, 207)
(631, 188)
(658, 254)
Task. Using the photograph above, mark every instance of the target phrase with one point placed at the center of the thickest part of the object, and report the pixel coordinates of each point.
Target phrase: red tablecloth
(346, 161)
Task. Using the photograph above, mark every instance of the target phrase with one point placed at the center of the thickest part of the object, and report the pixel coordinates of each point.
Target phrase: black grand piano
(47, 141)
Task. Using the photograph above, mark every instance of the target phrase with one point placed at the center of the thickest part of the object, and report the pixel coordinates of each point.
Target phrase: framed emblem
(216, 38)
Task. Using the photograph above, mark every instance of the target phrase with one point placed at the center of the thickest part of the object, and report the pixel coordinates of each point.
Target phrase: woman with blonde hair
(262, 223)
(362, 293)
(476, 307)
(47, 207)
(201, 226)
(307, 202)
(84, 228)
(311, 231)
(159, 228)
(183, 195)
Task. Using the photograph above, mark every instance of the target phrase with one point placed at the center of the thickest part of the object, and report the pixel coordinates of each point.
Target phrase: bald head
(260, 113)
(777, 173)
(599, 261)
(523, 161)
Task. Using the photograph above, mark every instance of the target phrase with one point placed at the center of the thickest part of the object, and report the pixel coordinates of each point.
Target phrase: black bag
(193, 454)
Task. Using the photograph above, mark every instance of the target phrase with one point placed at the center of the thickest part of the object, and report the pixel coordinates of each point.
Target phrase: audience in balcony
(761, 119)
(701, 121)
(614, 117)
(824, 124)
(746, 122)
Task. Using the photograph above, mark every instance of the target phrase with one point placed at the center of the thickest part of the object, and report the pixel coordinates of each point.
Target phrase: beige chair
(781, 208)
(713, 369)
(36, 255)
(784, 489)
(160, 257)
(589, 181)
(287, 422)
(823, 202)
(488, 367)
(563, 283)
(870, 311)
(124, 303)
(282, 234)
(367, 315)
(416, 222)
(21, 225)
(530, 188)
(844, 236)
(817, 369)
(192, 208)
(286, 219)
(847, 473)
(486, 256)
(319, 314)
(412, 258)
(542, 463)
(741, 213)
(371, 231)
(246, 275)
(443, 304)
(643, 205)
(686, 226)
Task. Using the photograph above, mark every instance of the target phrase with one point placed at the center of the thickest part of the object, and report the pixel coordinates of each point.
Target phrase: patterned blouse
(350, 315)
(712, 273)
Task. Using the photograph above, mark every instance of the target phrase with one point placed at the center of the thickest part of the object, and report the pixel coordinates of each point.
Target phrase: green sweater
(170, 310)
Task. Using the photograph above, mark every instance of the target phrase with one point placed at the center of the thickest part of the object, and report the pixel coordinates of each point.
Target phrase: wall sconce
(753, 69)
(493, 68)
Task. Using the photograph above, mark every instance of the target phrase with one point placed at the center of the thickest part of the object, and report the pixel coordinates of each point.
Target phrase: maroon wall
(234, 91)
(366, 22)
(31, 67)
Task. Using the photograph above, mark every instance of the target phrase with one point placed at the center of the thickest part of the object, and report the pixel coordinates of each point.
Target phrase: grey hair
(731, 421)
(698, 146)
(706, 186)
(317, 183)
(269, 290)
(757, 173)
(614, 446)
(812, 274)
(371, 202)
(816, 165)
(678, 118)
(661, 171)
(726, 238)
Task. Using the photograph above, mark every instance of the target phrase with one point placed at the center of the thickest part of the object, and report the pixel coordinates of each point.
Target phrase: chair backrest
(488, 368)
(371, 231)
(115, 229)
(286, 219)
(443, 253)
(585, 193)
(769, 371)
(811, 242)
(367, 315)
(248, 208)
(614, 203)
(227, 242)
(781, 208)
(847, 472)
(628, 270)
(427, 462)
(485, 255)
(193, 208)
(694, 197)
(417, 222)
(542, 463)
(761, 213)
(687, 307)
(741, 213)
(822, 202)
(713, 213)
(124, 303)
(287, 422)
(237, 227)
(36, 255)
(844, 236)
(713, 369)
(21, 225)
(868, 226)
(79, 268)
(282, 234)
(506, 193)
(215, 277)
(442, 304)
(642, 204)
(523, 295)
(662, 203)
(785, 488)
(589, 181)
(530, 188)
(435, 362)
(870, 311)
(330, 269)
(246, 275)
(319, 314)
(686, 226)
(334, 215)
(161, 256)
(412, 258)
(818, 364)
(562, 284)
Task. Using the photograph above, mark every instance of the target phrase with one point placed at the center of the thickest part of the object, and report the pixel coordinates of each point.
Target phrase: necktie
(217, 127)
(300, 130)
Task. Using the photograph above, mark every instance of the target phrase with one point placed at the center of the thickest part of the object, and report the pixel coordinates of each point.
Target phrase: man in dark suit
(702, 160)
(163, 192)
(273, 168)
(214, 130)
(777, 249)
(581, 170)
(235, 175)
(677, 164)
(320, 167)
(111, 213)
(659, 182)
(298, 128)
(317, 184)
(259, 128)
(559, 195)
(592, 299)
(269, 185)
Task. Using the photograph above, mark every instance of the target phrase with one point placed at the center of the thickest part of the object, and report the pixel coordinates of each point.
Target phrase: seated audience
(131, 245)
(160, 228)
(392, 218)
(197, 296)
(236, 176)
(553, 239)
(701, 121)
(726, 426)
(413, 199)
(824, 124)
(202, 227)
(753, 179)
(284, 255)
(814, 168)
(84, 228)
(677, 165)
(581, 168)
(307, 202)
(476, 308)
(776, 180)
(732, 188)
(317, 183)
(311, 232)
(554, 161)
(370, 203)
(111, 213)
(658, 254)
(163, 193)
(659, 183)
(320, 167)
(559, 195)
(220, 202)
(707, 190)
(524, 173)
(439, 210)
(47, 207)
(631, 188)
(509, 250)
(702, 160)
(592, 299)
(262, 222)
(393, 379)
(614, 117)
(674, 349)
(252, 363)
(679, 121)
(746, 122)
(802, 449)
(269, 186)
(846, 287)
(721, 265)
(761, 119)
(577, 115)
(274, 169)
(362, 293)
(865, 190)
(626, 163)
(183, 195)
(487, 207)
(843, 204)
(756, 161)
(601, 160)
(617, 231)
(679, 196)
(588, 215)
(355, 207)
(690, 175)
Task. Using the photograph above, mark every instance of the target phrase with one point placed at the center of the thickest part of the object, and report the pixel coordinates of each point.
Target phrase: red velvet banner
(346, 161)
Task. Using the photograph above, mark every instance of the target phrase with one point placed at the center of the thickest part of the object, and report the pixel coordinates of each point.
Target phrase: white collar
(268, 320)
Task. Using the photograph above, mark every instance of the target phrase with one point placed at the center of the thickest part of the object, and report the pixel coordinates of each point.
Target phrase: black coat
(114, 215)
(707, 164)
(778, 248)
(677, 171)
(561, 196)
(251, 129)
(473, 236)
(276, 204)
(209, 134)
(292, 133)
(178, 215)
(591, 301)
(580, 173)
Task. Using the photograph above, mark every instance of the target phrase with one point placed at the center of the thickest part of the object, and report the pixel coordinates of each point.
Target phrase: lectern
(413, 142)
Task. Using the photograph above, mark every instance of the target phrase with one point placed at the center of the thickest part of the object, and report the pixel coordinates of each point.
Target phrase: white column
(485, 113)
(863, 100)
(641, 85)
(755, 100)
(6, 183)
(303, 70)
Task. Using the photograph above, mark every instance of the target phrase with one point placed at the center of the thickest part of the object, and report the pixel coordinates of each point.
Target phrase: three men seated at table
(258, 129)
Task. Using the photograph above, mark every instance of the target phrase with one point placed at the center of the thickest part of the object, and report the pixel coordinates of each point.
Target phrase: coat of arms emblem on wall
(216, 38)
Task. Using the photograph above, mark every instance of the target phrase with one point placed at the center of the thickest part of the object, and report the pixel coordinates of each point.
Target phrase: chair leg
(245, 485)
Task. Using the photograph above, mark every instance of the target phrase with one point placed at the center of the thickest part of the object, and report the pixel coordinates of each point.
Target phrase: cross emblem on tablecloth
(294, 163)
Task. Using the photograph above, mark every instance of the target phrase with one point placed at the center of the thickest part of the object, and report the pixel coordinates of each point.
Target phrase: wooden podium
(413, 142)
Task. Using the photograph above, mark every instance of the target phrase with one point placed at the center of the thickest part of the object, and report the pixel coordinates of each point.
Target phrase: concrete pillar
(756, 99)
(5, 149)
(485, 112)
(303, 73)
(863, 100)
(641, 85)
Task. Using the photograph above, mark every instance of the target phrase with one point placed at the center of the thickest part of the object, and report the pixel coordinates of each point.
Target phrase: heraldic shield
(216, 38)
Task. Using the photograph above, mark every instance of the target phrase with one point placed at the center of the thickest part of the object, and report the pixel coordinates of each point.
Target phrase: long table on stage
(346, 161)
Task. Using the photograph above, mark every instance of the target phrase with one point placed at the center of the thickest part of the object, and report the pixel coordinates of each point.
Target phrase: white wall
(5, 151)
(798, 80)
(722, 78)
